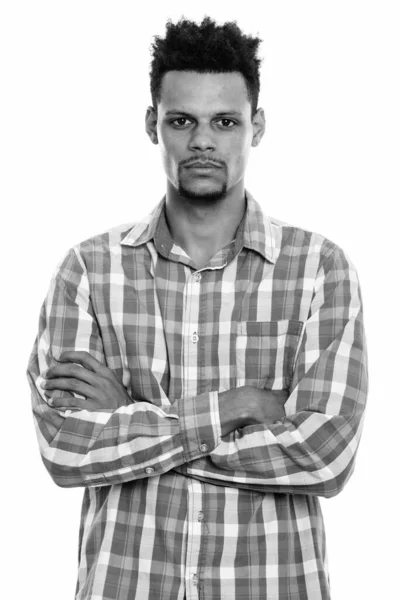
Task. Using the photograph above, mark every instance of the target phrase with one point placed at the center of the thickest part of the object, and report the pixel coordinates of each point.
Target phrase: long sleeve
(312, 450)
(92, 448)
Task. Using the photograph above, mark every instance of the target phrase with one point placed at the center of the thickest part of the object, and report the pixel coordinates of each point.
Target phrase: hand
(266, 406)
(247, 405)
(93, 380)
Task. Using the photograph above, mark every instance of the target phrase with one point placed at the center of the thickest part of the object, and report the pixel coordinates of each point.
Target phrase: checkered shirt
(171, 509)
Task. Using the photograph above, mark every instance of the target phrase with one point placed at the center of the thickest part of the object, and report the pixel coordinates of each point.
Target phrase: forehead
(190, 91)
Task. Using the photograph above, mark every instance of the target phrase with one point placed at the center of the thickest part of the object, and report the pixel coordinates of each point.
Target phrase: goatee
(210, 196)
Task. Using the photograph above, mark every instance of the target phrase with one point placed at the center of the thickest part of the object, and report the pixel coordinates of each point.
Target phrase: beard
(212, 195)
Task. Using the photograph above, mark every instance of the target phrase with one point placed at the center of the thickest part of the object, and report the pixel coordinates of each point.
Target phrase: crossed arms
(230, 438)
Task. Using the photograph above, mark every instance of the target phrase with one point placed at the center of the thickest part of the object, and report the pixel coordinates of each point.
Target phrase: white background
(75, 160)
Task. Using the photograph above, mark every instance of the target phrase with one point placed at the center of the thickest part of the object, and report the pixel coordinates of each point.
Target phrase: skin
(211, 119)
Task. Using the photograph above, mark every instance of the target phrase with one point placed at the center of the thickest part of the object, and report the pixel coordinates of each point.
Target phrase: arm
(83, 447)
(312, 450)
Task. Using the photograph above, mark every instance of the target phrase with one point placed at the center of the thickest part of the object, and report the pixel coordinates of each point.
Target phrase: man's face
(205, 117)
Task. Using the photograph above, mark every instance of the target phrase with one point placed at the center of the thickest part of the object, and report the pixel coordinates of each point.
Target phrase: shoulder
(295, 241)
(105, 241)
(103, 246)
(93, 252)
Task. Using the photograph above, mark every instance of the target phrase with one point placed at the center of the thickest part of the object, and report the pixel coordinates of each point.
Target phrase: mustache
(202, 159)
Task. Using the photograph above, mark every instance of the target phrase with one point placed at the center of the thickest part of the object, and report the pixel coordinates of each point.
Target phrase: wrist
(233, 409)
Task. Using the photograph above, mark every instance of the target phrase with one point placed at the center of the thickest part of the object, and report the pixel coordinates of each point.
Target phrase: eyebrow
(218, 114)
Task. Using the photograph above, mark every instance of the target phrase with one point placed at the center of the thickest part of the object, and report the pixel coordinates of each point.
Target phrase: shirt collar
(254, 232)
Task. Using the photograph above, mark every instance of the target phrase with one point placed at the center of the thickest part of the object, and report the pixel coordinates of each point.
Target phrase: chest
(173, 332)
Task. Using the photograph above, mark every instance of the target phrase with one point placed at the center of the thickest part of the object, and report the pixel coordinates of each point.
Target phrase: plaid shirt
(171, 509)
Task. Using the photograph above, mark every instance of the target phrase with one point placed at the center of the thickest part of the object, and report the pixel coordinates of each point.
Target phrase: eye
(227, 123)
(180, 121)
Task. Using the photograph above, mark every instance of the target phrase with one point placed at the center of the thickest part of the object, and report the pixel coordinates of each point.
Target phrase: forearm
(313, 448)
(111, 444)
(273, 459)
(207, 472)
(85, 448)
(246, 405)
(132, 441)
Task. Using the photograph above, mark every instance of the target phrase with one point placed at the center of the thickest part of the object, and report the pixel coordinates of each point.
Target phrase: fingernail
(44, 374)
(43, 384)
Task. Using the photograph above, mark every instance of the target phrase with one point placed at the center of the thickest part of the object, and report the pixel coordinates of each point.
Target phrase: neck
(202, 227)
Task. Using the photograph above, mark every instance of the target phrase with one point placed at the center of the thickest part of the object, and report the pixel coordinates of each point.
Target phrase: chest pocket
(266, 352)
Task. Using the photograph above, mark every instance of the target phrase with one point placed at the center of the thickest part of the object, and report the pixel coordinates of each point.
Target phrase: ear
(151, 124)
(258, 122)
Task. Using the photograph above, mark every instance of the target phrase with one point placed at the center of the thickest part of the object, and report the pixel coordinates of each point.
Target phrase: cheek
(238, 155)
(171, 151)
(167, 156)
(238, 149)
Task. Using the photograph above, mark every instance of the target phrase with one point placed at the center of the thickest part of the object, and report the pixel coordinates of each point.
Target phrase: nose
(202, 139)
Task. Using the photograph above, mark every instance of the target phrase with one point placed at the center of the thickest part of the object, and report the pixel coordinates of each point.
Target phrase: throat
(201, 256)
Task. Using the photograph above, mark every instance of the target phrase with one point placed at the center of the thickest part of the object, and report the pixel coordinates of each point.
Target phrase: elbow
(334, 460)
(329, 488)
(64, 482)
(62, 476)
(73, 476)
(343, 478)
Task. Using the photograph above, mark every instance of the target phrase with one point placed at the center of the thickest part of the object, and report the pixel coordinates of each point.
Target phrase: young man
(202, 374)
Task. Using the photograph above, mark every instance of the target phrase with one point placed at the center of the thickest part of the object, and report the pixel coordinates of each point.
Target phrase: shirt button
(197, 276)
(204, 447)
(149, 470)
(195, 338)
(200, 516)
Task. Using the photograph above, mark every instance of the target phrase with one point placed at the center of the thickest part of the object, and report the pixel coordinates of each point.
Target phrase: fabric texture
(170, 507)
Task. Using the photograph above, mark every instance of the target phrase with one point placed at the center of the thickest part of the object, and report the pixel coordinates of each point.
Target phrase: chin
(210, 195)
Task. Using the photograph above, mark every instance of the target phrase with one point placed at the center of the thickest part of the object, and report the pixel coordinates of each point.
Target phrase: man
(202, 374)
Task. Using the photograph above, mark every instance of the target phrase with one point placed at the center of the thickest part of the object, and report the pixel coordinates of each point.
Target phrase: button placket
(194, 532)
(191, 324)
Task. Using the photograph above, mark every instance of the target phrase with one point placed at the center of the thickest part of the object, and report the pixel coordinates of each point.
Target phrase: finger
(73, 403)
(281, 395)
(71, 385)
(64, 403)
(82, 358)
(71, 370)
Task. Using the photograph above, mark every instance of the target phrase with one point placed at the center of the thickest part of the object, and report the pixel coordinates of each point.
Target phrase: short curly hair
(205, 48)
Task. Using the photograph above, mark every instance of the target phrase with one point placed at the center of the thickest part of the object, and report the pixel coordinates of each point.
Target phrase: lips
(203, 165)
